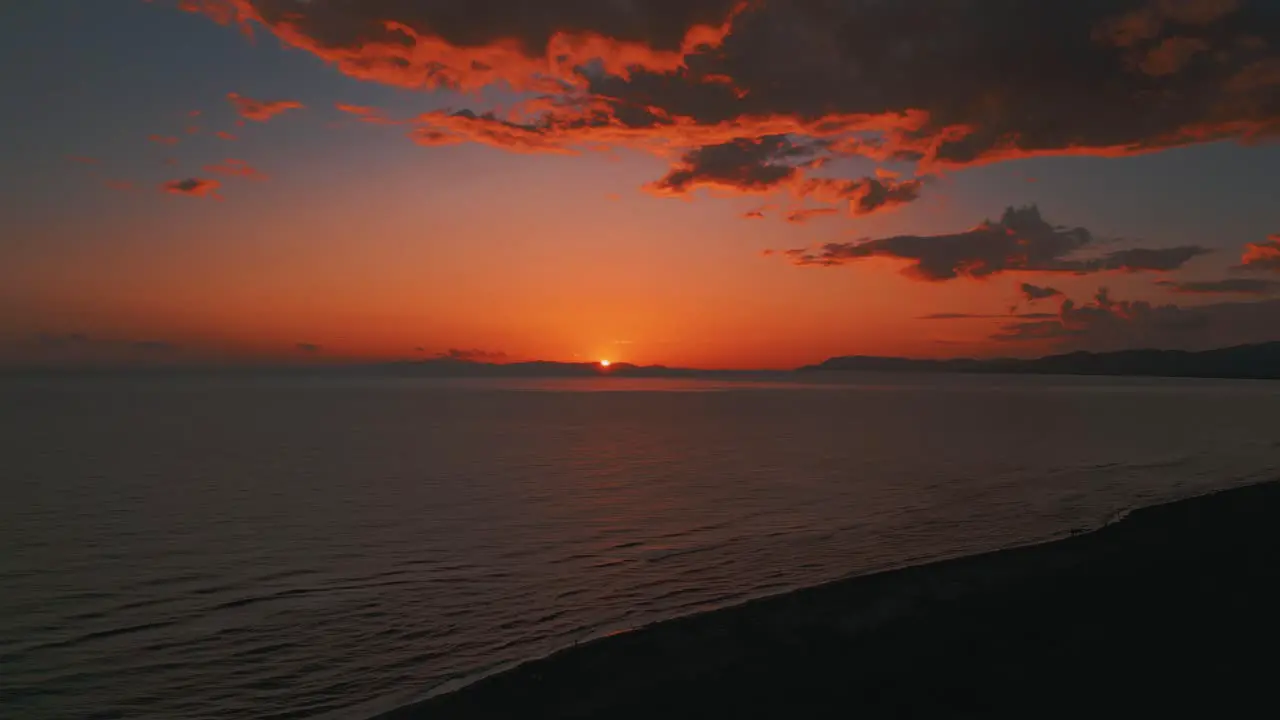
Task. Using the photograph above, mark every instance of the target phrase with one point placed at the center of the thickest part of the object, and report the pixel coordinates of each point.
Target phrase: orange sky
(575, 222)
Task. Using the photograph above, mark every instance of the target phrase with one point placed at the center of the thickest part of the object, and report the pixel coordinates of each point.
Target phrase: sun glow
(605, 363)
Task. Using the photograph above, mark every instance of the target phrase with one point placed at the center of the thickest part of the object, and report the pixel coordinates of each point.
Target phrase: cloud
(1106, 324)
(1147, 21)
(1092, 77)
(486, 42)
(1263, 255)
(1172, 55)
(756, 214)
(430, 137)
(309, 348)
(865, 196)
(773, 162)
(805, 215)
(979, 316)
(260, 110)
(121, 185)
(1020, 241)
(1229, 286)
(236, 168)
(224, 135)
(743, 165)
(474, 355)
(194, 187)
(366, 114)
(1033, 293)
(163, 139)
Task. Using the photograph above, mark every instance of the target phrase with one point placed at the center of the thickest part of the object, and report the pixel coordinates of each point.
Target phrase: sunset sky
(707, 183)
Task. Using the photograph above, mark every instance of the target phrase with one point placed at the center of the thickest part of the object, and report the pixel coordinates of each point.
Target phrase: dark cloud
(864, 196)
(744, 165)
(236, 168)
(1020, 241)
(757, 214)
(482, 42)
(802, 216)
(941, 82)
(1263, 255)
(1033, 293)
(260, 110)
(309, 348)
(978, 316)
(1106, 324)
(719, 83)
(1229, 286)
(195, 187)
(474, 355)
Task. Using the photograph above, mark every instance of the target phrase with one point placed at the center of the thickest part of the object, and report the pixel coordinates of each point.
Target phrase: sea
(335, 547)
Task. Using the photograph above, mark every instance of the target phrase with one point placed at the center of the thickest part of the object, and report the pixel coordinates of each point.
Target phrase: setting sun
(605, 363)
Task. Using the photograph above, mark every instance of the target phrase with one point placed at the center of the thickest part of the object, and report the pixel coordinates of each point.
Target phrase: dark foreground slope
(1175, 608)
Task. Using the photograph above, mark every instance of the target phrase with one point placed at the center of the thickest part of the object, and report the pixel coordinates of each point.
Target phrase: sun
(605, 363)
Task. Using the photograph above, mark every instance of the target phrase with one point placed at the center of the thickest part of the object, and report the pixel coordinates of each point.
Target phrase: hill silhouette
(1243, 361)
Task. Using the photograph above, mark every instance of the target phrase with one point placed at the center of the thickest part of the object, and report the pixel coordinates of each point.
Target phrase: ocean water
(289, 548)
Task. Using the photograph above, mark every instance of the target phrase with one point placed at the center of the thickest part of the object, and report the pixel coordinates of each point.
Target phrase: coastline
(1169, 606)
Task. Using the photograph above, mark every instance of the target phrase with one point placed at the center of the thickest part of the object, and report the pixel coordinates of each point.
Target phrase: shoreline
(1178, 590)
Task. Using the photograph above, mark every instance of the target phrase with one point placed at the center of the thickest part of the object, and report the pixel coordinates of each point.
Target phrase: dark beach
(1174, 608)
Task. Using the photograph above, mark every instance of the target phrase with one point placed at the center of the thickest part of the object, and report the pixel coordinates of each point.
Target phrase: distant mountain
(449, 367)
(1243, 361)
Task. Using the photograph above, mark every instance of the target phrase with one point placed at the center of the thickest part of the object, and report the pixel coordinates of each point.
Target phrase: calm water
(291, 548)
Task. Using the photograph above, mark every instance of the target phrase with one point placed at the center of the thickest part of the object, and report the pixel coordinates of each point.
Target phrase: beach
(1171, 608)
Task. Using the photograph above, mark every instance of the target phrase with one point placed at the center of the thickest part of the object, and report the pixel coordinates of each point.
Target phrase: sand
(1175, 609)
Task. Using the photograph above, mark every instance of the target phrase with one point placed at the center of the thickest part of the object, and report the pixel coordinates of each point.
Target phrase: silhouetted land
(1244, 361)
(1260, 361)
(1173, 609)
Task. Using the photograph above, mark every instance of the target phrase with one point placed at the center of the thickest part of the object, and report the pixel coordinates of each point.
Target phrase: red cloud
(1263, 255)
(536, 45)
(366, 114)
(194, 187)
(429, 137)
(224, 135)
(1228, 286)
(236, 168)
(260, 110)
(932, 81)
(802, 216)
(864, 196)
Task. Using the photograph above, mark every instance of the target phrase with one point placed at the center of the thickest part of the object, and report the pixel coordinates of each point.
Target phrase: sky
(703, 183)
